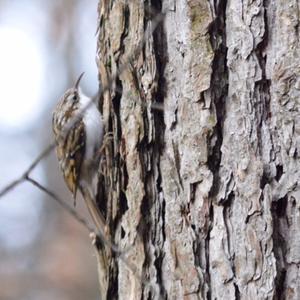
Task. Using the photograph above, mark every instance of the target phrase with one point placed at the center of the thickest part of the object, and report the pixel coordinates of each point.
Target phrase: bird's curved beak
(78, 81)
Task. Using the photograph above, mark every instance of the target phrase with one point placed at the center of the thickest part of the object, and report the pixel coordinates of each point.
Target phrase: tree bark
(204, 195)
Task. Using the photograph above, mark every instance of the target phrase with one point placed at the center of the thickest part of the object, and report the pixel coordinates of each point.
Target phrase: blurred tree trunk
(205, 193)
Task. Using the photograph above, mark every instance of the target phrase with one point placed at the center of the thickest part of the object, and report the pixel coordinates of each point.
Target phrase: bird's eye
(75, 97)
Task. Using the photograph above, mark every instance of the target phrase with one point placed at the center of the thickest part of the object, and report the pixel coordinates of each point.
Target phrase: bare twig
(74, 214)
(67, 207)
(11, 186)
(22, 178)
(84, 222)
(43, 154)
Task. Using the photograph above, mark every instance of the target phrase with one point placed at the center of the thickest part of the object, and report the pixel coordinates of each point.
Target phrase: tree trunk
(203, 195)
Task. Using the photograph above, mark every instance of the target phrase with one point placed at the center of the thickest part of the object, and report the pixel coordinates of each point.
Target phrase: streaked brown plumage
(77, 147)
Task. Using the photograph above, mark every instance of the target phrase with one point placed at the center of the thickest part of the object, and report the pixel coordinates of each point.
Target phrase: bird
(78, 132)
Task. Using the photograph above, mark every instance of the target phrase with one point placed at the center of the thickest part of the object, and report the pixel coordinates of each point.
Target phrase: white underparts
(94, 136)
(93, 126)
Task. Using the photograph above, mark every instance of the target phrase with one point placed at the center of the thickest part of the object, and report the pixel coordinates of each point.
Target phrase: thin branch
(74, 214)
(11, 186)
(81, 220)
(43, 154)
(22, 178)
(66, 207)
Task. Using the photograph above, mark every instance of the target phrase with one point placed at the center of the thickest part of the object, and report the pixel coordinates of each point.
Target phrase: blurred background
(44, 46)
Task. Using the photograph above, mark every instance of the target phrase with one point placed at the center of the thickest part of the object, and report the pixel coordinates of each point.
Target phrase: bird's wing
(70, 153)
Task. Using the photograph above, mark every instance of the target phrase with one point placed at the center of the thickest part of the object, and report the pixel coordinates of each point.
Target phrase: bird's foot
(106, 139)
